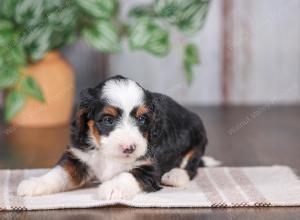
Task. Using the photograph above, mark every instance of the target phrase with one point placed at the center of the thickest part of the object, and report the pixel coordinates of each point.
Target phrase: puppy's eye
(108, 120)
(142, 120)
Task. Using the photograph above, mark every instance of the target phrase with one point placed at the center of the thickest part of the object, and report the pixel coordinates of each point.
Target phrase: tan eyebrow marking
(110, 110)
(141, 110)
(94, 131)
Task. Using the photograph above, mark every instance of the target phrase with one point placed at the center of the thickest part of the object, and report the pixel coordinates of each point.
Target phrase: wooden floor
(238, 136)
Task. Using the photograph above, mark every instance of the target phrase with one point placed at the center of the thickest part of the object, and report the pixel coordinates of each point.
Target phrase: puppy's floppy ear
(85, 112)
(87, 107)
(88, 98)
(156, 126)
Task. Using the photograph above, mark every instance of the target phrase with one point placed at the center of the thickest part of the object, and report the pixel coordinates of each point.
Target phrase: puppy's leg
(70, 173)
(128, 184)
(180, 176)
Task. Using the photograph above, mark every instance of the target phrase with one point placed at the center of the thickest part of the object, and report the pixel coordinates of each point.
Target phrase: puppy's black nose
(128, 149)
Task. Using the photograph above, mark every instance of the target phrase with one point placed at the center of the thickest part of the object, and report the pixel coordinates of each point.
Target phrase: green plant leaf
(6, 33)
(16, 55)
(63, 23)
(6, 25)
(31, 88)
(142, 10)
(192, 15)
(191, 53)
(63, 17)
(188, 15)
(8, 76)
(37, 42)
(190, 58)
(13, 104)
(56, 4)
(7, 9)
(147, 35)
(98, 8)
(188, 70)
(168, 9)
(103, 36)
(29, 12)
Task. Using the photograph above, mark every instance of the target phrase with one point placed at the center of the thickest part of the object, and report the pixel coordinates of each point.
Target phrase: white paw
(123, 186)
(211, 162)
(32, 187)
(176, 177)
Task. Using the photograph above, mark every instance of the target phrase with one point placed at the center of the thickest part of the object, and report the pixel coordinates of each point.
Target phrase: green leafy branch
(12, 61)
(148, 29)
(30, 28)
(190, 58)
(187, 16)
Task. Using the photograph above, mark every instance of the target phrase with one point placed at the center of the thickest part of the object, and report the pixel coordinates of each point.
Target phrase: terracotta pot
(56, 79)
(27, 144)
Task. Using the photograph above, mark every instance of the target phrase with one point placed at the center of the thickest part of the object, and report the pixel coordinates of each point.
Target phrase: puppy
(130, 139)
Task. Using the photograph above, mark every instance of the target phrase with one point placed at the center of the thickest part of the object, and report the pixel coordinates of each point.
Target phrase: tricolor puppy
(130, 139)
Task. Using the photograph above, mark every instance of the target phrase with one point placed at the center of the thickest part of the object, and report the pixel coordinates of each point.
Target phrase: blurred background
(207, 55)
(250, 54)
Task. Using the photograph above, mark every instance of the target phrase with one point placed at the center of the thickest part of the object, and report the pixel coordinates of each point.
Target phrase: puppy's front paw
(123, 186)
(176, 177)
(32, 187)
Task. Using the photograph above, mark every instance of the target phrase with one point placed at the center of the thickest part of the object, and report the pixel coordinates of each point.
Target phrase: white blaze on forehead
(123, 93)
(126, 95)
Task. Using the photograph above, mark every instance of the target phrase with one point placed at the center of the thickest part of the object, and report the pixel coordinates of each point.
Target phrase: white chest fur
(103, 168)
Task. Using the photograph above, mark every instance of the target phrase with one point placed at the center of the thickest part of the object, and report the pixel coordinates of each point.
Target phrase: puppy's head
(115, 118)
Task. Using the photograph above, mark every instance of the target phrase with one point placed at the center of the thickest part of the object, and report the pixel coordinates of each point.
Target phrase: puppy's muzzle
(127, 148)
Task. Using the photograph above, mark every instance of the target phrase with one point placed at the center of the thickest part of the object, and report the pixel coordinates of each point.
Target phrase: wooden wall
(264, 51)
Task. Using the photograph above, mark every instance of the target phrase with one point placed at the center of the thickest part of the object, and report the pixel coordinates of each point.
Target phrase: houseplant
(29, 29)
(30, 72)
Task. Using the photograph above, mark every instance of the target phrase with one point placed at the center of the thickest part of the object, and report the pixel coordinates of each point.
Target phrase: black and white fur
(128, 138)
